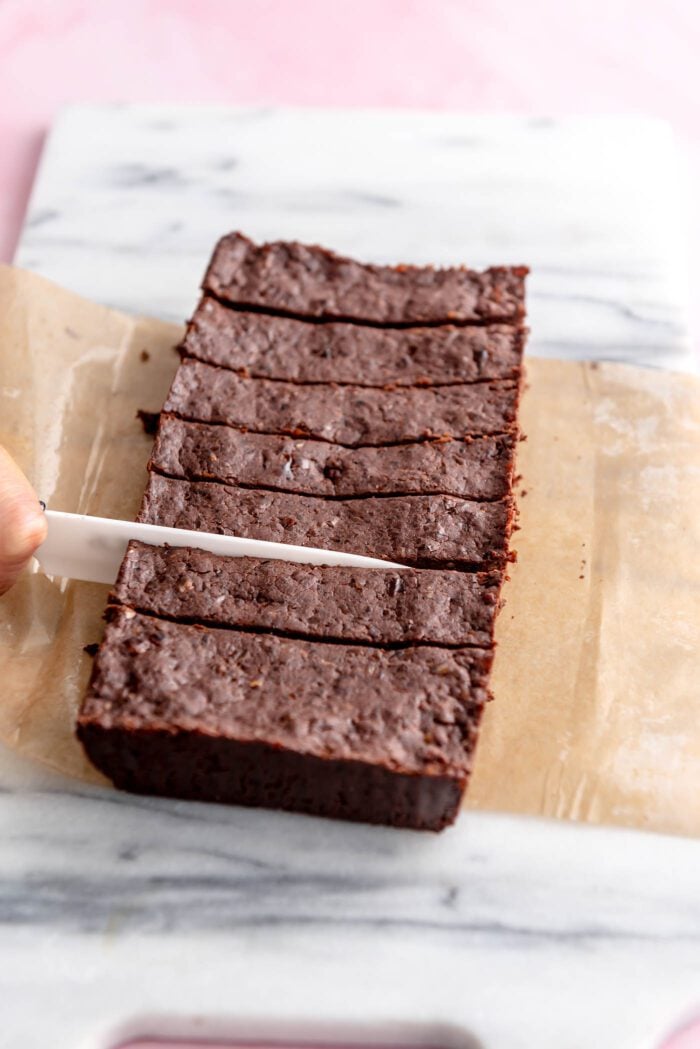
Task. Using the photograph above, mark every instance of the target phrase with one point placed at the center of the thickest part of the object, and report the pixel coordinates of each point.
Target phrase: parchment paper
(597, 675)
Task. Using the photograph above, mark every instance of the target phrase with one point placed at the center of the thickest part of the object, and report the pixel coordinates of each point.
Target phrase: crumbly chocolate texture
(321, 690)
(476, 468)
(335, 730)
(349, 415)
(309, 281)
(419, 530)
(318, 601)
(271, 347)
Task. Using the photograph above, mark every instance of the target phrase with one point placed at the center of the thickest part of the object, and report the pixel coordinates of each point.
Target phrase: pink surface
(686, 1038)
(544, 56)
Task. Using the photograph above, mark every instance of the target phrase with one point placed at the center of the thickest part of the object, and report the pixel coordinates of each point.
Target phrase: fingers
(22, 522)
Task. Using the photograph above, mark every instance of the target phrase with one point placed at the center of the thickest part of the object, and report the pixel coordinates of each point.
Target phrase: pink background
(486, 56)
(541, 57)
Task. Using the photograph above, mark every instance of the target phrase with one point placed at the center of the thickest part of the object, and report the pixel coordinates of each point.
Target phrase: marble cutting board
(122, 916)
(129, 201)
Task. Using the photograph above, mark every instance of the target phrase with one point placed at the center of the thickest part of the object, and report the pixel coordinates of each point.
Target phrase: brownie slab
(349, 415)
(309, 281)
(419, 530)
(270, 347)
(335, 730)
(320, 601)
(478, 468)
(323, 402)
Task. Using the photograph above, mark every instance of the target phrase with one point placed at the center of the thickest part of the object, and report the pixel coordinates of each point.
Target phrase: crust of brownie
(309, 281)
(419, 530)
(349, 415)
(270, 347)
(317, 601)
(475, 468)
(254, 719)
(197, 767)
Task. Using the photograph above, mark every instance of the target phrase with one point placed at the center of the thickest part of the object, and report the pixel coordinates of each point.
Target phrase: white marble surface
(123, 916)
(129, 201)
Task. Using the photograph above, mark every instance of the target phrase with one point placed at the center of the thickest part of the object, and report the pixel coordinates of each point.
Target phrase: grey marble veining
(176, 866)
(130, 199)
(146, 915)
(124, 916)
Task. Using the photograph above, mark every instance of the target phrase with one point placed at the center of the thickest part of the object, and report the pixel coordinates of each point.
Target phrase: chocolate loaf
(266, 347)
(308, 281)
(388, 607)
(421, 530)
(348, 731)
(324, 402)
(349, 415)
(480, 468)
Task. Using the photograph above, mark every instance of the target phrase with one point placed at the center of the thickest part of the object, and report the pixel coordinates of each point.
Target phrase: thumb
(22, 522)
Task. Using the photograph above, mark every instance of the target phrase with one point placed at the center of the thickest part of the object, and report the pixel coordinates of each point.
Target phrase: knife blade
(91, 548)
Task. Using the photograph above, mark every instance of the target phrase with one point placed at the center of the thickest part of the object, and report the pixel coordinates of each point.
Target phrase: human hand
(22, 522)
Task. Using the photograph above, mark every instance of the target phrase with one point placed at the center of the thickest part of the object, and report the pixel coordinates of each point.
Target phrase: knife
(91, 548)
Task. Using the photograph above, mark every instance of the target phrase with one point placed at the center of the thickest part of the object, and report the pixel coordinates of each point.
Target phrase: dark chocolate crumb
(149, 421)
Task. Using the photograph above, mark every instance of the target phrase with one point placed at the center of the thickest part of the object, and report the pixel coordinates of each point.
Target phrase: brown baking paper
(597, 675)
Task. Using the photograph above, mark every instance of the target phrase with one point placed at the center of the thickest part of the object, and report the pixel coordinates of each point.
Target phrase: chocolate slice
(309, 281)
(421, 530)
(349, 415)
(372, 606)
(269, 347)
(478, 468)
(335, 730)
